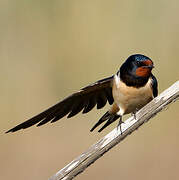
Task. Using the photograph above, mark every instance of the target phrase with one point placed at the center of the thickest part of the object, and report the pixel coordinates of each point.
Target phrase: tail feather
(101, 120)
(110, 118)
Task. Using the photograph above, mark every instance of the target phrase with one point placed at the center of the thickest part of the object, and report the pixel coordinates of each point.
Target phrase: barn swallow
(129, 90)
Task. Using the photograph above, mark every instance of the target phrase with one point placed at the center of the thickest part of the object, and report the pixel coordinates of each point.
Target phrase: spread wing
(154, 86)
(97, 93)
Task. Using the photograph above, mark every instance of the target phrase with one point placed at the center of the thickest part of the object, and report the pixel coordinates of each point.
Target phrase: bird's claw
(119, 125)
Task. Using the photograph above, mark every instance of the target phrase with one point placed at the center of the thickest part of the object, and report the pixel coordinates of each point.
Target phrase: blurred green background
(49, 49)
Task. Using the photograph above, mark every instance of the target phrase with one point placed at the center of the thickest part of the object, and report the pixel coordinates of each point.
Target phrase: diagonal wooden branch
(79, 164)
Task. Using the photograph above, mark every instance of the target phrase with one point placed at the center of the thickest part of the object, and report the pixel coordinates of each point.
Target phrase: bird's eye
(138, 63)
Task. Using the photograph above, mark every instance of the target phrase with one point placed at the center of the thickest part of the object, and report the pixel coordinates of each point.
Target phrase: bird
(127, 91)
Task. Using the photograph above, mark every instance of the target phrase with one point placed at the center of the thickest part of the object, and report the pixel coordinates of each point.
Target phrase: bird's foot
(119, 124)
(134, 114)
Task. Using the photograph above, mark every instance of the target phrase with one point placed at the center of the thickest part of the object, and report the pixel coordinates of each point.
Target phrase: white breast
(129, 99)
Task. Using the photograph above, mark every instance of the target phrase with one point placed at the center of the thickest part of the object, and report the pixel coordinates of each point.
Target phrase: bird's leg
(134, 114)
(119, 124)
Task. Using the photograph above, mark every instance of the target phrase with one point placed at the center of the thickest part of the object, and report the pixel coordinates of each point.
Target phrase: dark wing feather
(97, 93)
(90, 105)
(154, 86)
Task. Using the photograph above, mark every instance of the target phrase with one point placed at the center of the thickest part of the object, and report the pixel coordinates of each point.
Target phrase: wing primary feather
(63, 111)
(109, 95)
(60, 115)
(46, 120)
(28, 123)
(91, 104)
(76, 109)
(101, 101)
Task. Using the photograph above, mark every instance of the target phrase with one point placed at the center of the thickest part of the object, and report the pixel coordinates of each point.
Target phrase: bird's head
(136, 69)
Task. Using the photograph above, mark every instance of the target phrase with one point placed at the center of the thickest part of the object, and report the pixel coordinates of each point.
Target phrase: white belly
(130, 99)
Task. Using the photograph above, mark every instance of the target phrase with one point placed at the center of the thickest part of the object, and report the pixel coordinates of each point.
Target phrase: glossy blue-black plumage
(128, 71)
(154, 85)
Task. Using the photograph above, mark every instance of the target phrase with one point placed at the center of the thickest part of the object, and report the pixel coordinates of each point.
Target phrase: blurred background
(50, 49)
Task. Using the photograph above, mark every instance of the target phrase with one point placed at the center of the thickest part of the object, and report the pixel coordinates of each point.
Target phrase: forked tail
(110, 118)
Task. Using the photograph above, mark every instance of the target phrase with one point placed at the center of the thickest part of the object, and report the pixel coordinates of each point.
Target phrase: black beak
(150, 66)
